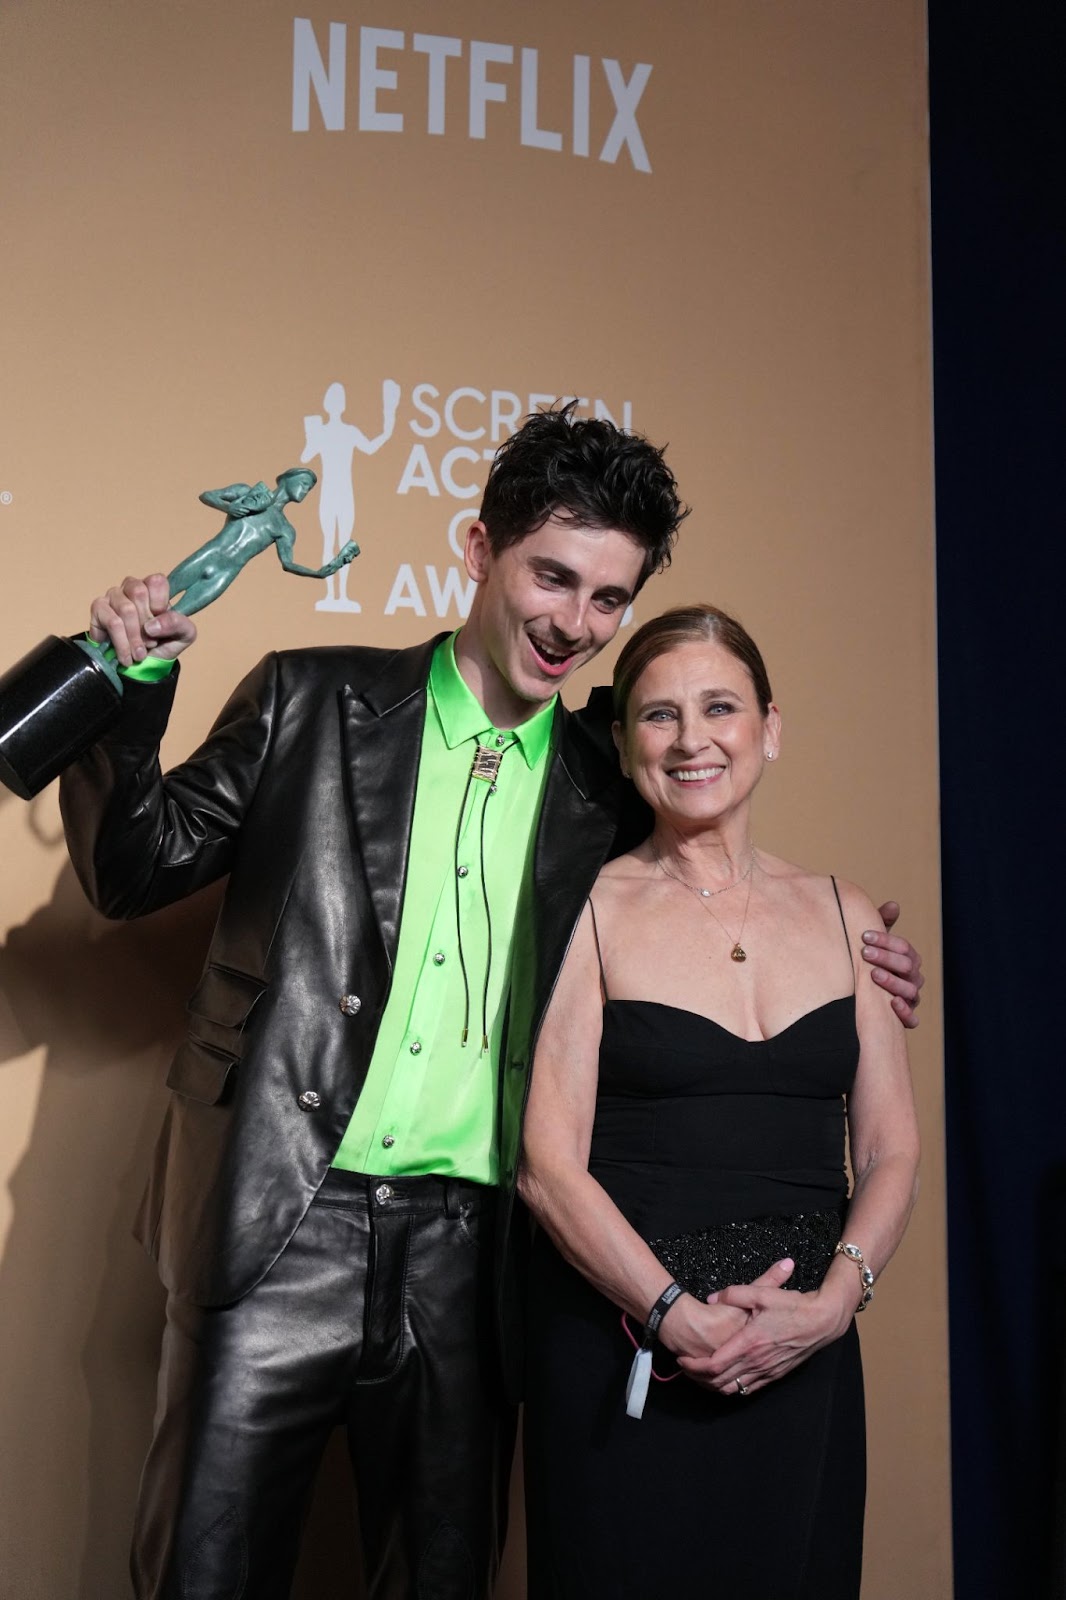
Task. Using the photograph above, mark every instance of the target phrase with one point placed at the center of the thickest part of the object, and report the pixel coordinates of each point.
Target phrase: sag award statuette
(60, 698)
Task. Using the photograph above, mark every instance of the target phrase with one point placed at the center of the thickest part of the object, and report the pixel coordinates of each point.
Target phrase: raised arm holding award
(63, 695)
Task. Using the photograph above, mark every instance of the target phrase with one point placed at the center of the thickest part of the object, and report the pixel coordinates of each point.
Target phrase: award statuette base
(54, 704)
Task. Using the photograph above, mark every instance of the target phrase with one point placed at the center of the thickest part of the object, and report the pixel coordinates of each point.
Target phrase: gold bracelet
(853, 1253)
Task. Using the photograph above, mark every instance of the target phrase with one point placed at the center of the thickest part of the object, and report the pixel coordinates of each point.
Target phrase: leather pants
(374, 1317)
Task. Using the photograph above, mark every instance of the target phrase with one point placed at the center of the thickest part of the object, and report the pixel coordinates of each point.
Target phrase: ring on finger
(740, 1387)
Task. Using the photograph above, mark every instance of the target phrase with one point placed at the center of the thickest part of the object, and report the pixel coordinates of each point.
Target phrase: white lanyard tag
(637, 1387)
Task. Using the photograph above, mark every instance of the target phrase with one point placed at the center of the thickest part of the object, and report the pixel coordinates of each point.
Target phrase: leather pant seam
(230, 1514)
(445, 1525)
(387, 1377)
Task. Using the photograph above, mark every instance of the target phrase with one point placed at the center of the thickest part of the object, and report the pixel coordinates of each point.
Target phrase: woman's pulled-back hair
(687, 625)
(589, 471)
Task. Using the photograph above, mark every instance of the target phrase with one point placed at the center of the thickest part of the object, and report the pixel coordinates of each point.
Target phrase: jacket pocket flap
(200, 1072)
(225, 996)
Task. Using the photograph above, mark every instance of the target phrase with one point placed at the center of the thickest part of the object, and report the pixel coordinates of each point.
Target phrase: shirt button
(350, 1004)
(309, 1100)
(388, 1141)
(438, 959)
(499, 738)
(463, 872)
(416, 1048)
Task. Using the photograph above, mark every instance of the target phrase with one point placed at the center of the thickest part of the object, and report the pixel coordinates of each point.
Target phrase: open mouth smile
(696, 774)
(553, 662)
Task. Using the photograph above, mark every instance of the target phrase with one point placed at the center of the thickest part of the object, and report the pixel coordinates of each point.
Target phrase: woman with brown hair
(708, 1048)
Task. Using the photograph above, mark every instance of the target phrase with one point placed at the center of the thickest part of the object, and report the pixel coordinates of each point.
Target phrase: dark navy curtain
(998, 90)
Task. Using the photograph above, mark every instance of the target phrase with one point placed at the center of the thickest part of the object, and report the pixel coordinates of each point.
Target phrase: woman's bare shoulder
(809, 879)
(792, 879)
(806, 888)
(623, 888)
(628, 871)
(860, 912)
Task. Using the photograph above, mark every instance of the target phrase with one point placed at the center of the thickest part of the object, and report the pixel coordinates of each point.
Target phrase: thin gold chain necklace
(738, 952)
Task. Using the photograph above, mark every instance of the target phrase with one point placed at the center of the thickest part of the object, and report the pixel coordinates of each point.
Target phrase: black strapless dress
(744, 1498)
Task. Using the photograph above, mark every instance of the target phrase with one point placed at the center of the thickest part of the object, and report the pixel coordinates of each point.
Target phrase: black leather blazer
(303, 793)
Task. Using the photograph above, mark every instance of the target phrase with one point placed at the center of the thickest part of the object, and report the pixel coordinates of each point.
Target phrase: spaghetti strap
(599, 952)
(843, 924)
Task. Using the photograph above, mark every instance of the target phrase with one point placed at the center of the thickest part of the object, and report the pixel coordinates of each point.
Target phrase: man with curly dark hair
(410, 836)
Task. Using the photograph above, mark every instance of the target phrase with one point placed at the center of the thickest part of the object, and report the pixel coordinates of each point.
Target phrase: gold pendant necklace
(738, 952)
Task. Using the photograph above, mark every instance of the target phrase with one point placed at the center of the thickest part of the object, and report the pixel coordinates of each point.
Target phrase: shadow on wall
(81, 1309)
(80, 1306)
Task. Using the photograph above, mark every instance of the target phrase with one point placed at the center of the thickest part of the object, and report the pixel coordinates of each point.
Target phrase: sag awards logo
(460, 79)
(446, 438)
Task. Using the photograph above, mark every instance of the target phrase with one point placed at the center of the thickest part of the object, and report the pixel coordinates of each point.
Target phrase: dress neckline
(699, 1016)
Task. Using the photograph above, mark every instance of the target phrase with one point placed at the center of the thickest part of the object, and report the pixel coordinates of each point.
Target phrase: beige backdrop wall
(708, 220)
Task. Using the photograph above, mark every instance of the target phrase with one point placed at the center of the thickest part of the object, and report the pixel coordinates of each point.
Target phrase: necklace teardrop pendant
(738, 953)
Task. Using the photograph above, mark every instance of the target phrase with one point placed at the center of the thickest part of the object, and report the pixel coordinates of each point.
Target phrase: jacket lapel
(578, 821)
(577, 828)
(382, 726)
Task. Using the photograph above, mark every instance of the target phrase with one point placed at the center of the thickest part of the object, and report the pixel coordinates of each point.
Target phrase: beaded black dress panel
(699, 1134)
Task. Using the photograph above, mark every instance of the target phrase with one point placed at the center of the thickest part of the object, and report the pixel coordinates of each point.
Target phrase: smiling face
(695, 741)
(543, 607)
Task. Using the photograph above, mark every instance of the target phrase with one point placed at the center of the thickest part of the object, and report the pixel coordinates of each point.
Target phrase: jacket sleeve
(635, 817)
(139, 840)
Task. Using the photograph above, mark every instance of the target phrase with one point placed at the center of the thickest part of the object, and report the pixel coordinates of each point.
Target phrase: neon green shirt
(429, 1101)
(150, 670)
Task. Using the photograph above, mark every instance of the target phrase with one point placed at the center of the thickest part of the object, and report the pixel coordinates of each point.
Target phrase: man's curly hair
(589, 471)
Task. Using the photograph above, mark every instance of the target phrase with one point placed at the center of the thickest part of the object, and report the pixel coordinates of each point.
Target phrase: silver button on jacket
(310, 1100)
(350, 1004)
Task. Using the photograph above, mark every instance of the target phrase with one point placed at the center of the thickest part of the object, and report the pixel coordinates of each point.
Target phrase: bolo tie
(484, 768)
